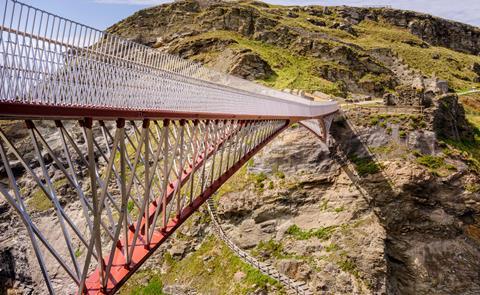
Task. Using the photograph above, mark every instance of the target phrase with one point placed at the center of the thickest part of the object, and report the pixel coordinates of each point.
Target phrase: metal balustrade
(138, 138)
(50, 60)
(162, 170)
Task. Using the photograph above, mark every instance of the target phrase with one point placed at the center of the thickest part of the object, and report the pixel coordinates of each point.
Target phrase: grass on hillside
(291, 71)
(450, 65)
(470, 149)
(39, 201)
(364, 166)
(322, 233)
(471, 104)
(213, 262)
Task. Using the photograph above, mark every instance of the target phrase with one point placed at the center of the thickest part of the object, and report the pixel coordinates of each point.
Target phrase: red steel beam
(42, 111)
(119, 273)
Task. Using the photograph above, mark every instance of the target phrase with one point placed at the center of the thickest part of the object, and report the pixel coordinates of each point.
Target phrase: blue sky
(103, 13)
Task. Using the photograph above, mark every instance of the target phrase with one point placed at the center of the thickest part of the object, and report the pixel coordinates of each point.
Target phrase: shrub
(280, 174)
(431, 162)
(130, 206)
(322, 233)
(270, 185)
(270, 248)
(364, 166)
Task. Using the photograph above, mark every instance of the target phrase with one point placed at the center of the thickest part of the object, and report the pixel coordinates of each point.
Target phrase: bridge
(140, 138)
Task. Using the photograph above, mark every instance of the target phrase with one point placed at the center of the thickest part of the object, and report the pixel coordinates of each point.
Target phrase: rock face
(250, 66)
(434, 30)
(450, 122)
(246, 38)
(364, 214)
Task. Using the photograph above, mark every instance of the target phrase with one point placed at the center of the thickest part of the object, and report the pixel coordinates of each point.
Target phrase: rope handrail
(295, 287)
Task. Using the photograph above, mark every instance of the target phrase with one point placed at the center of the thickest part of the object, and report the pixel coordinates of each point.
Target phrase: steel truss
(147, 177)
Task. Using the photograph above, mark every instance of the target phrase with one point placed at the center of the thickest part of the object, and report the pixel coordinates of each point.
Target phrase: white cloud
(131, 2)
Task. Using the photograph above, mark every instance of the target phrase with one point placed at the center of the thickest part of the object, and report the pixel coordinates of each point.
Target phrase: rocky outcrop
(449, 119)
(204, 30)
(249, 65)
(434, 30)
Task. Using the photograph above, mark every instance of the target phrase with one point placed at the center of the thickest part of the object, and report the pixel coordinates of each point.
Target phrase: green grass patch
(215, 273)
(269, 249)
(374, 121)
(332, 247)
(280, 174)
(347, 265)
(130, 206)
(153, 287)
(472, 187)
(324, 205)
(39, 201)
(291, 70)
(364, 166)
(271, 185)
(322, 233)
(432, 162)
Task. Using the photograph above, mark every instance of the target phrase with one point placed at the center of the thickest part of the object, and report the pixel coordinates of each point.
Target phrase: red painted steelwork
(120, 274)
(42, 111)
(322, 124)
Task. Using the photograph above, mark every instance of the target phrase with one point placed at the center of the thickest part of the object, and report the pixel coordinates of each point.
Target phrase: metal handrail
(295, 287)
(50, 60)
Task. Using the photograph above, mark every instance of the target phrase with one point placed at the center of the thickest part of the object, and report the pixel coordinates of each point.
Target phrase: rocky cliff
(342, 51)
(389, 206)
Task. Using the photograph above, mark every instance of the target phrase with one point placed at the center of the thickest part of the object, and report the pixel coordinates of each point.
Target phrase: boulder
(316, 22)
(289, 267)
(476, 68)
(390, 99)
(250, 66)
(449, 119)
(178, 249)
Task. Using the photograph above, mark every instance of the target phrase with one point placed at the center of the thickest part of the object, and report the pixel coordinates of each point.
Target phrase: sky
(104, 13)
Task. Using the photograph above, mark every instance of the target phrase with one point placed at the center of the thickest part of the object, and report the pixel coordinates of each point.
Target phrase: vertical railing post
(205, 154)
(96, 206)
(194, 159)
(146, 195)
(166, 127)
(181, 166)
(123, 191)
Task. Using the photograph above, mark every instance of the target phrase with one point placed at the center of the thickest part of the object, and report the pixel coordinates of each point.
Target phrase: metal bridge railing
(47, 59)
